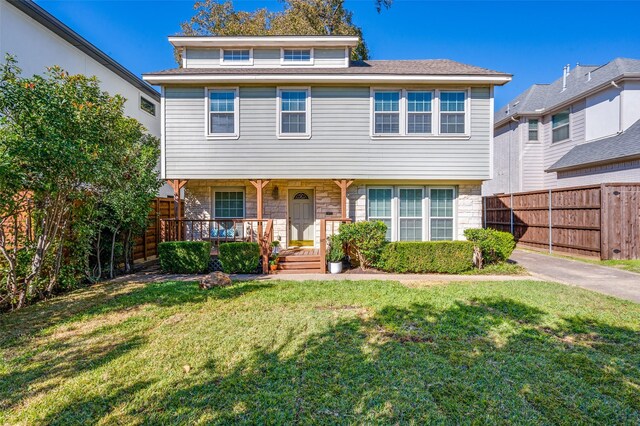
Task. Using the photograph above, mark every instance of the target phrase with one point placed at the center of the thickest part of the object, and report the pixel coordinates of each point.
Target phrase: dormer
(265, 51)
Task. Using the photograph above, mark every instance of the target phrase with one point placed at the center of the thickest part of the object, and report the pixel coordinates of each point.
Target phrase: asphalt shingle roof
(625, 145)
(580, 80)
(392, 67)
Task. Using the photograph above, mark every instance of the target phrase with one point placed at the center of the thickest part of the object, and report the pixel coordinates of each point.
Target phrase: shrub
(239, 258)
(184, 257)
(335, 252)
(496, 246)
(449, 257)
(366, 239)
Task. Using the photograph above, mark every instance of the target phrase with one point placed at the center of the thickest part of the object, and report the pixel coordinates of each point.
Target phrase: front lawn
(277, 352)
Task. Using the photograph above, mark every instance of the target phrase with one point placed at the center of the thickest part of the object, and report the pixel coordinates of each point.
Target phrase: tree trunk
(113, 248)
(98, 252)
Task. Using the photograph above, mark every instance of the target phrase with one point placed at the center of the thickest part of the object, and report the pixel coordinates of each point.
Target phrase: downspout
(620, 121)
(511, 129)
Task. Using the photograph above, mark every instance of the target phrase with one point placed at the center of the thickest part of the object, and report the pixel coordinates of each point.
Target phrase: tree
(299, 17)
(62, 142)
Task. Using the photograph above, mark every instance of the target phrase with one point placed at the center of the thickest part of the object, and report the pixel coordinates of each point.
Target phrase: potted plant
(273, 263)
(335, 254)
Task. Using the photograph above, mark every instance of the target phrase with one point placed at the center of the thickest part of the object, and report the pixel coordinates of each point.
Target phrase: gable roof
(621, 147)
(582, 79)
(44, 18)
(438, 69)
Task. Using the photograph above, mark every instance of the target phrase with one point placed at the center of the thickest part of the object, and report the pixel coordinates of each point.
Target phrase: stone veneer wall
(198, 202)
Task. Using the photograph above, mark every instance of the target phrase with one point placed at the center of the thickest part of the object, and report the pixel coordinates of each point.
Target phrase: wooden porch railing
(221, 231)
(328, 227)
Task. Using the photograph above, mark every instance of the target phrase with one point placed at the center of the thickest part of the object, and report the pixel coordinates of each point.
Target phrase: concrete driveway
(603, 279)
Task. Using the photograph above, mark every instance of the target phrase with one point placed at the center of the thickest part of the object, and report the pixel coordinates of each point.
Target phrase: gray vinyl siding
(628, 171)
(262, 58)
(532, 172)
(505, 161)
(340, 146)
(554, 151)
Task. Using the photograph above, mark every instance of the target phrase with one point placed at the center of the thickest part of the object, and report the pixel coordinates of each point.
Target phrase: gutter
(31, 9)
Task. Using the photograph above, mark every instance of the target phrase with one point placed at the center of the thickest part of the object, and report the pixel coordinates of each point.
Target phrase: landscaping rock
(215, 279)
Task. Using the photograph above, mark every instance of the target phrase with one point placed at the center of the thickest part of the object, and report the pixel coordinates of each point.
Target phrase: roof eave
(265, 41)
(160, 79)
(594, 163)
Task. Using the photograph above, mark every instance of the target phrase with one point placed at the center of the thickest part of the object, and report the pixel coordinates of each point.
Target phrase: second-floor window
(223, 114)
(236, 56)
(419, 112)
(560, 126)
(452, 112)
(386, 111)
(297, 56)
(294, 114)
(533, 129)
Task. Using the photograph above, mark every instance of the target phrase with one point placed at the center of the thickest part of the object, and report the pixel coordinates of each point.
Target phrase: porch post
(343, 184)
(259, 184)
(177, 185)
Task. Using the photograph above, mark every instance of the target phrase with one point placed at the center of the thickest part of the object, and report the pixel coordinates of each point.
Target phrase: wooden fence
(147, 245)
(601, 221)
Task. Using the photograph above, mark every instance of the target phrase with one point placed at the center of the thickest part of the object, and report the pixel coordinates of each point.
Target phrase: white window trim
(433, 106)
(454, 223)
(426, 208)
(423, 217)
(297, 63)
(570, 111)
(467, 112)
(529, 130)
(236, 63)
(372, 95)
(236, 114)
(394, 206)
(215, 189)
(279, 134)
(435, 114)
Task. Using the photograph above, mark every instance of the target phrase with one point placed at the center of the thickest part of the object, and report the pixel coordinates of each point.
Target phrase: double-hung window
(419, 112)
(236, 57)
(223, 112)
(386, 111)
(441, 200)
(452, 112)
(297, 56)
(228, 204)
(410, 216)
(294, 115)
(533, 129)
(560, 126)
(379, 206)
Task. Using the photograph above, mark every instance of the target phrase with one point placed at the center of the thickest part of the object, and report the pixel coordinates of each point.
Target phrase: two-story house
(287, 128)
(582, 129)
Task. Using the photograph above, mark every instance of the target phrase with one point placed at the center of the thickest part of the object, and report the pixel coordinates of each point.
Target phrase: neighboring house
(413, 137)
(38, 40)
(582, 129)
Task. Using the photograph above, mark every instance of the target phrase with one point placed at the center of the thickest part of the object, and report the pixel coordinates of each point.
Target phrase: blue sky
(532, 40)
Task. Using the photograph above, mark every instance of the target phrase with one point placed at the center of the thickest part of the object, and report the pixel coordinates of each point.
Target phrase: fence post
(484, 208)
(511, 214)
(550, 225)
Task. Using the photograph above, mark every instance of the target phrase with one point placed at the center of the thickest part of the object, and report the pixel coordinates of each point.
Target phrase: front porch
(299, 214)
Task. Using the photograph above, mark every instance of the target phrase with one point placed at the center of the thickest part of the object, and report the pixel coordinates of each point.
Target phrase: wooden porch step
(299, 271)
(298, 265)
(298, 258)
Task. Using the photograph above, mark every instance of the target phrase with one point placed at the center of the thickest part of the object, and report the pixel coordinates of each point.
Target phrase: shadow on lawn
(486, 361)
(109, 297)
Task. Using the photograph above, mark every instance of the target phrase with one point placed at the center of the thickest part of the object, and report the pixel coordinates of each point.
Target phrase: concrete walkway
(603, 279)
(403, 278)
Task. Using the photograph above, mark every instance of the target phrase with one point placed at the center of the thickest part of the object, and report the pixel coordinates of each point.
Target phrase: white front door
(301, 217)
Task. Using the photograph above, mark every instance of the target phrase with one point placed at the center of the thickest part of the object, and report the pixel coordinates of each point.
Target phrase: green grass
(277, 352)
(632, 265)
(502, 268)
